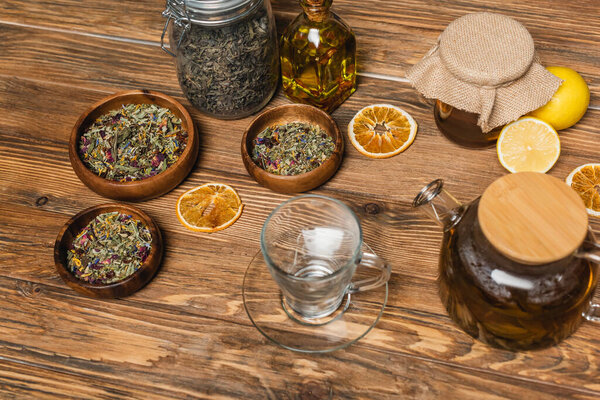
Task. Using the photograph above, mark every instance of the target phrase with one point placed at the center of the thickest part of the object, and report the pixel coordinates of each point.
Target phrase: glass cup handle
(370, 260)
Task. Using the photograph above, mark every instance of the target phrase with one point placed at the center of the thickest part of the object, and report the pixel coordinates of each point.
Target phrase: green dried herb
(292, 149)
(110, 248)
(134, 142)
(228, 71)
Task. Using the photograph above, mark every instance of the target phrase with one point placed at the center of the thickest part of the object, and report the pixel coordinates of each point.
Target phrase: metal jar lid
(211, 13)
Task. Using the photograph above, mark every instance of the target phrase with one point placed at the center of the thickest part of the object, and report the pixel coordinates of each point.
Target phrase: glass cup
(312, 247)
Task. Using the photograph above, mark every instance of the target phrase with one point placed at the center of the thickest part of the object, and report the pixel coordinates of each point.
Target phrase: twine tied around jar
(485, 63)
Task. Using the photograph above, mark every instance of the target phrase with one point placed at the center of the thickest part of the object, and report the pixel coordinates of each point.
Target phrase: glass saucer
(268, 311)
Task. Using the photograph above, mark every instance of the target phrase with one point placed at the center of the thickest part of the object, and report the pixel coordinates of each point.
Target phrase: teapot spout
(439, 205)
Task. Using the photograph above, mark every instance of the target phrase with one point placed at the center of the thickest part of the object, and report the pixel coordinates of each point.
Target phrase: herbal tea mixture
(110, 248)
(229, 71)
(134, 142)
(292, 149)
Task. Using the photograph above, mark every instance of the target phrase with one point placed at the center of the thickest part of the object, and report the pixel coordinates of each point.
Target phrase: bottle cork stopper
(316, 10)
(533, 218)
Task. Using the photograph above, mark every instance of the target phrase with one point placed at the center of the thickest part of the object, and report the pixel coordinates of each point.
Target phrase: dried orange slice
(585, 180)
(528, 144)
(382, 130)
(209, 208)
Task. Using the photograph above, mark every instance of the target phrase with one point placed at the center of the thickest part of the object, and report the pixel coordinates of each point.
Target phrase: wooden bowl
(145, 188)
(123, 287)
(283, 115)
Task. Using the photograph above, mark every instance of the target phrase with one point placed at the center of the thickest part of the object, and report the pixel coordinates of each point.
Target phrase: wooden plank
(404, 233)
(414, 321)
(94, 63)
(392, 36)
(139, 348)
(415, 350)
(20, 380)
(197, 265)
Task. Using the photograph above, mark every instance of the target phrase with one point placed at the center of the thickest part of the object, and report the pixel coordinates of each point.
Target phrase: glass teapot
(519, 265)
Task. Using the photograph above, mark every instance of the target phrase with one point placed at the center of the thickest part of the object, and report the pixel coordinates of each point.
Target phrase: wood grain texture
(391, 35)
(186, 334)
(192, 277)
(132, 345)
(533, 218)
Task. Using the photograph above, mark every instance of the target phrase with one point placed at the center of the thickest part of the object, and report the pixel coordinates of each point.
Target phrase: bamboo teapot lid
(532, 218)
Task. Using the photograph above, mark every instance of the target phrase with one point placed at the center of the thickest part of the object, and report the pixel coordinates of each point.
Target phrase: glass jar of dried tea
(226, 54)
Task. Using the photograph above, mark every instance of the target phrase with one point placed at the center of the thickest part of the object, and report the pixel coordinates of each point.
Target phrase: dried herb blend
(292, 149)
(110, 248)
(134, 142)
(228, 71)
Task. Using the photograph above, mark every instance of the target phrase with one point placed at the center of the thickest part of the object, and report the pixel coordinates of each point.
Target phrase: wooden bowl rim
(88, 175)
(155, 254)
(329, 163)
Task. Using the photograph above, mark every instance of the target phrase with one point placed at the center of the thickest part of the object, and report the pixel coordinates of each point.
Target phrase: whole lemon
(568, 104)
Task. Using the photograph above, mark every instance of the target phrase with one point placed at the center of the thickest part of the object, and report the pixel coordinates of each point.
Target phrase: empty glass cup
(312, 247)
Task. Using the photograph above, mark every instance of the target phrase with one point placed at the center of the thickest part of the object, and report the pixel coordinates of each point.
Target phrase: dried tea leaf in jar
(226, 54)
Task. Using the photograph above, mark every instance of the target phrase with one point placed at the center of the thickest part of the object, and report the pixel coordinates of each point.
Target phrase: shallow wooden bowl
(145, 188)
(283, 115)
(121, 288)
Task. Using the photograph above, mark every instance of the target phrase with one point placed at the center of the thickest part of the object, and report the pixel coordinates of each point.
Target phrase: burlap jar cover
(485, 63)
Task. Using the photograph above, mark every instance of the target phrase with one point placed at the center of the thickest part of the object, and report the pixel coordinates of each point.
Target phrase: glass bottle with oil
(318, 57)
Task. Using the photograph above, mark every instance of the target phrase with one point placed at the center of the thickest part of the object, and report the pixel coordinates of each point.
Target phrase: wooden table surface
(187, 335)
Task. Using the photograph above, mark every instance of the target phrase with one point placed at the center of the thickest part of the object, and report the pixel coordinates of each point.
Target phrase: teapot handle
(592, 313)
(591, 253)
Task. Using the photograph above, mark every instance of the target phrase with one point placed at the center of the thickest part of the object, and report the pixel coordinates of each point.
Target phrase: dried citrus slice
(528, 144)
(382, 130)
(585, 180)
(209, 208)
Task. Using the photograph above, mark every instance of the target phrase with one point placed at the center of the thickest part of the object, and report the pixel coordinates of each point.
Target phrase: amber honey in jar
(482, 74)
(461, 126)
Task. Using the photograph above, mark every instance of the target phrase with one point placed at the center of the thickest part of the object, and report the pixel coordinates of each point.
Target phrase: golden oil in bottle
(318, 57)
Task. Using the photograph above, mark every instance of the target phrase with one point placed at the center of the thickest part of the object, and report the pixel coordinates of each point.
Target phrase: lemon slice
(382, 130)
(585, 180)
(528, 144)
(209, 208)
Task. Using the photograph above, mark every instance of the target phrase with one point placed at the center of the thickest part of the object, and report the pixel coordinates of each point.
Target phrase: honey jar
(483, 73)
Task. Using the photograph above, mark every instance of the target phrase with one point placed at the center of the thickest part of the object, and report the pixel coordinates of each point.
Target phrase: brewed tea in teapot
(517, 266)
